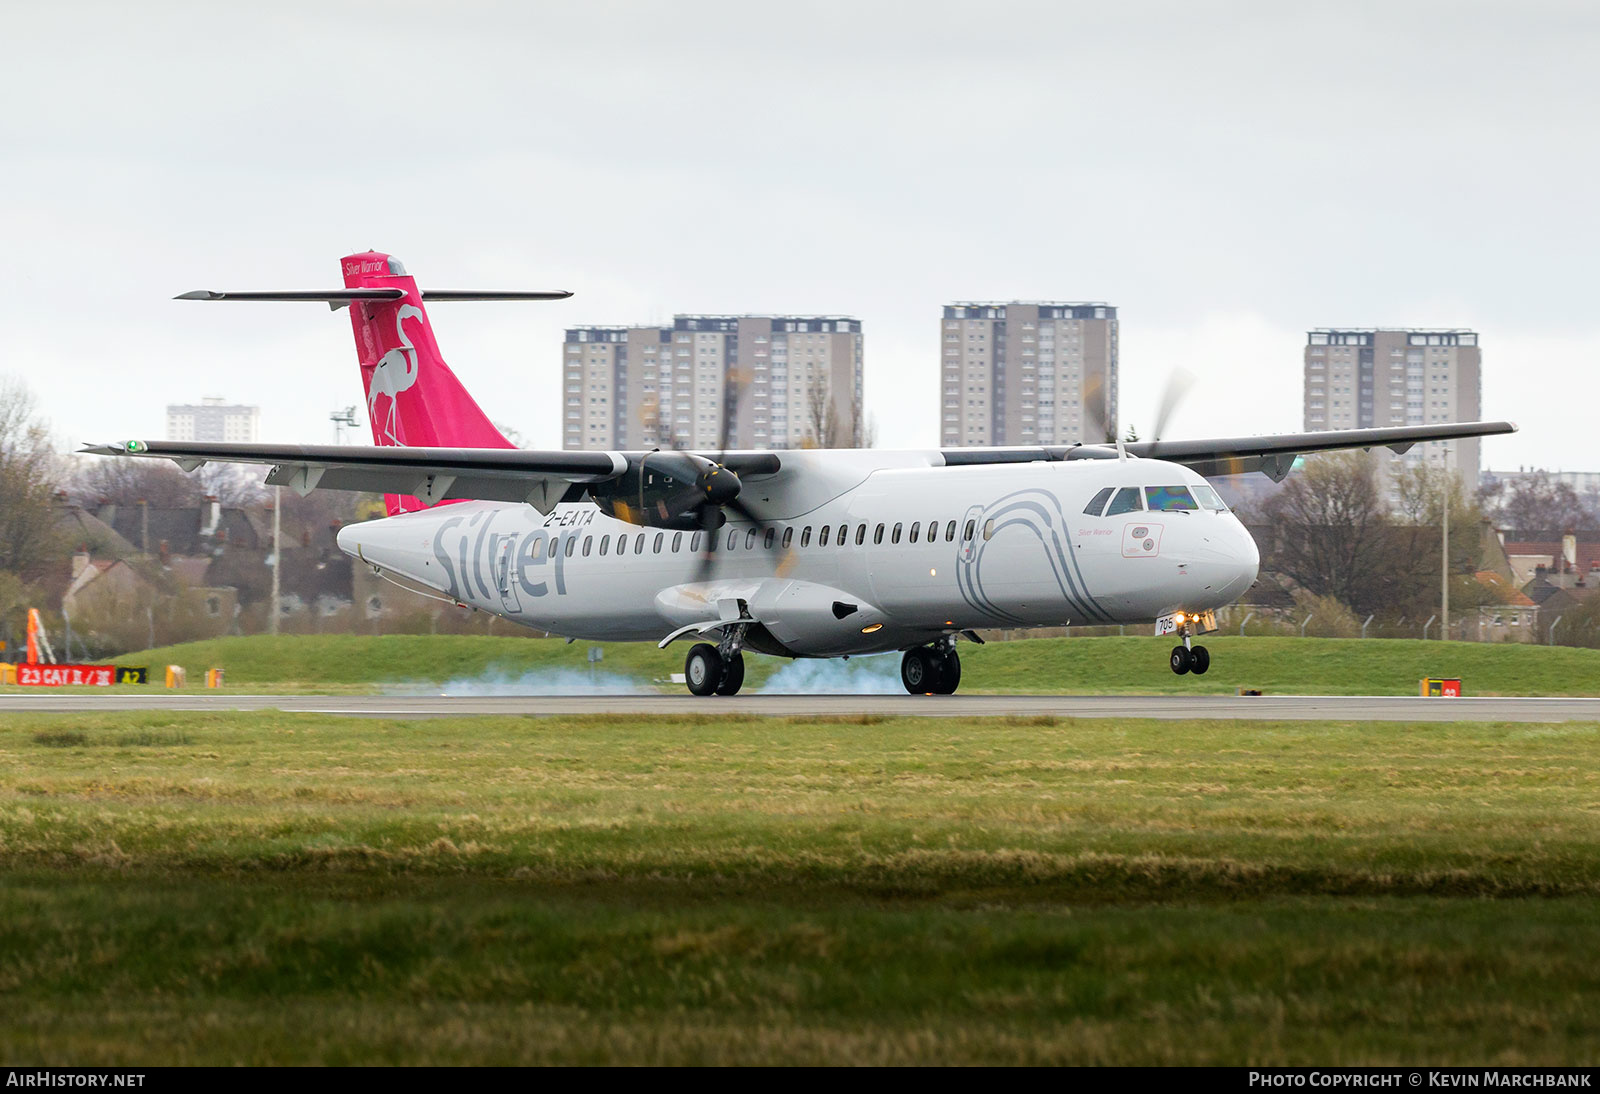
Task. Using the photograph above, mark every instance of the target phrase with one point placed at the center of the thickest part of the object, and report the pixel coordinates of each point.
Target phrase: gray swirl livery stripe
(1064, 566)
(967, 580)
(1068, 578)
(1065, 581)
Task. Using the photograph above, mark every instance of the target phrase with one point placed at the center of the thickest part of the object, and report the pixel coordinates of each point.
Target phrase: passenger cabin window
(588, 541)
(1097, 504)
(916, 525)
(805, 536)
(638, 545)
(988, 530)
(972, 526)
(661, 537)
(950, 532)
(844, 533)
(733, 538)
(677, 541)
(788, 537)
(822, 536)
(1126, 501)
(877, 536)
(750, 540)
(1209, 499)
(605, 542)
(767, 539)
(572, 545)
(1169, 499)
(894, 536)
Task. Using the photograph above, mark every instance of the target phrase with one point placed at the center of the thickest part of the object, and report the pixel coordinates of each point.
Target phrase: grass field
(1325, 666)
(268, 888)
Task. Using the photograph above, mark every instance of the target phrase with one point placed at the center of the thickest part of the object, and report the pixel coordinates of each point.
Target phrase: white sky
(1229, 175)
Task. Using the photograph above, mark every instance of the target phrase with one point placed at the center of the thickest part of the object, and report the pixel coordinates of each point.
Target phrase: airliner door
(505, 573)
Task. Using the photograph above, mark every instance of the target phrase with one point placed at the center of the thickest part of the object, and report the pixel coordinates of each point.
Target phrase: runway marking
(1389, 708)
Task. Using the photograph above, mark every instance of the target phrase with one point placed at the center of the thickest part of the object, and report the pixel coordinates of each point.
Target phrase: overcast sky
(1228, 175)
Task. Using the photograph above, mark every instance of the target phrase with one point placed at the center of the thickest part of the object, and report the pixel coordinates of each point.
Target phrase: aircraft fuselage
(856, 557)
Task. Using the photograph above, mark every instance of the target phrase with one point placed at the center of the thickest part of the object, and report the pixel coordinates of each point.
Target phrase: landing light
(872, 628)
(932, 572)
(1178, 618)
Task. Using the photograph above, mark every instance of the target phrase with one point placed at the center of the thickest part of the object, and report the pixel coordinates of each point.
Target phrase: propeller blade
(1178, 384)
(711, 521)
(786, 559)
(1094, 412)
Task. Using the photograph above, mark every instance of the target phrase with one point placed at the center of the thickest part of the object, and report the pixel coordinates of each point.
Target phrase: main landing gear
(931, 670)
(1190, 658)
(719, 669)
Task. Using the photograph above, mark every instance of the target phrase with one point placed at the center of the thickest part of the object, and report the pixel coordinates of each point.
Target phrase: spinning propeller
(686, 491)
(1173, 392)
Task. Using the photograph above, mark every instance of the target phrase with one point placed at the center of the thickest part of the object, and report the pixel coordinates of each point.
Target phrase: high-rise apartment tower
(1363, 377)
(213, 420)
(1027, 373)
(795, 380)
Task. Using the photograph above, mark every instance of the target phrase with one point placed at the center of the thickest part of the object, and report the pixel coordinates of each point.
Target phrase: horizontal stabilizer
(330, 296)
(341, 298)
(493, 294)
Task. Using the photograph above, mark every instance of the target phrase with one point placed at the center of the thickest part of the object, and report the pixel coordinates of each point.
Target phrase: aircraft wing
(1271, 455)
(431, 474)
(1274, 456)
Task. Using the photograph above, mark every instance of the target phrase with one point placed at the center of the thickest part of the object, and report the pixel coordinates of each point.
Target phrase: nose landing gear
(1189, 657)
(931, 670)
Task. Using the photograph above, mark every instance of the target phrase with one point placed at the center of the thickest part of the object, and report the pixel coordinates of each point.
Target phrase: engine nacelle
(667, 490)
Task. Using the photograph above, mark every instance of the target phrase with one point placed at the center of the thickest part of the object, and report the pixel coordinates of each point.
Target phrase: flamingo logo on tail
(395, 372)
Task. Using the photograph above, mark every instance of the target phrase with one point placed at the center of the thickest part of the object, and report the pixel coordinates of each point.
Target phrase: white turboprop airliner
(808, 553)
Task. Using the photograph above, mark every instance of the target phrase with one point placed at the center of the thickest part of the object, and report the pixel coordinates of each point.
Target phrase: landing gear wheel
(732, 675)
(1182, 660)
(702, 669)
(919, 671)
(1202, 660)
(949, 674)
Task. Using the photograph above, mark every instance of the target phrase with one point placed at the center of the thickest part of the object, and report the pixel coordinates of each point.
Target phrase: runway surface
(1268, 707)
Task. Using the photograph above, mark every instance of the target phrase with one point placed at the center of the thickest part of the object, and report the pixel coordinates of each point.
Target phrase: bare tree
(130, 481)
(826, 427)
(1537, 503)
(1419, 493)
(1334, 537)
(234, 485)
(28, 471)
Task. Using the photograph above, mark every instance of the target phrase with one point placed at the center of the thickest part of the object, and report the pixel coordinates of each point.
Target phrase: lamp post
(1444, 554)
(277, 560)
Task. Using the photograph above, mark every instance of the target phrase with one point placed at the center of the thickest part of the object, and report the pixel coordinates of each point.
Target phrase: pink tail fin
(413, 398)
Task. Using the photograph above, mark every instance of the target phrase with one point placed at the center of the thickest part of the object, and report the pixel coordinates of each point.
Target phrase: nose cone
(1247, 563)
(1226, 562)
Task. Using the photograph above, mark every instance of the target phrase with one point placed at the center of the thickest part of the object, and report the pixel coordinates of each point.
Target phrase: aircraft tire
(1202, 660)
(1182, 660)
(732, 675)
(949, 674)
(919, 671)
(702, 669)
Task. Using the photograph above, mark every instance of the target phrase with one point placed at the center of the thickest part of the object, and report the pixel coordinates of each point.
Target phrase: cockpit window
(1168, 499)
(1098, 502)
(1126, 501)
(1209, 499)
